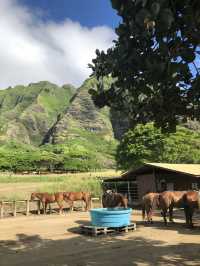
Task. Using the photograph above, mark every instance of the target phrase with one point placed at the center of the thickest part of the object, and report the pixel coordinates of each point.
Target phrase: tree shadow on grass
(90, 251)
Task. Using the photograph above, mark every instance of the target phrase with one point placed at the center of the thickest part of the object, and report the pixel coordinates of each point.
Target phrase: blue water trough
(110, 217)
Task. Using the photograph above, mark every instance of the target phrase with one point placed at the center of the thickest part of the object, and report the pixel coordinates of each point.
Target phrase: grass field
(20, 186)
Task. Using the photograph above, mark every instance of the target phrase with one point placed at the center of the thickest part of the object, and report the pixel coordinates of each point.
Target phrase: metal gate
(128, 188)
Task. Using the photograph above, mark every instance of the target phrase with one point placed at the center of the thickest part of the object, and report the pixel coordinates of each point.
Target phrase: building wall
(162, 180)
(177, 180)
(146, 183)
(156, 180)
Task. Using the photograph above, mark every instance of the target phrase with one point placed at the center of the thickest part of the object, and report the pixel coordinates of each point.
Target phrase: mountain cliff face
(27, 112)
(44, 126)
(43, 113)
(81, 117)
(60, 120)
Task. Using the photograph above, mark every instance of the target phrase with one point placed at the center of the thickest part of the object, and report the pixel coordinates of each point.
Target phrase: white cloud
(32, 50)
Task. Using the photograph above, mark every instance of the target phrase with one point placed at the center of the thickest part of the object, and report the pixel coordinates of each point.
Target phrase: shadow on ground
(181, 228)
(90, 251)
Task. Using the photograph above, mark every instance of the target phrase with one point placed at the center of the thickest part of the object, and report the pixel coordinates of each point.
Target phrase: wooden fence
(15, 203)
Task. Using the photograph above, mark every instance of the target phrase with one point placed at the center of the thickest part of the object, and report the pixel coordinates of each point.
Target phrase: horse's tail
(156, 201)
(143, 209)
(185, 200)
(160, 201)
(143, 212)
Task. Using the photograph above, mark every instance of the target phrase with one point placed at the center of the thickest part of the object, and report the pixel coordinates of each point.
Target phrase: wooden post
(91, 204)
(38, 207)
(95, 199)
(101, 204)
(27, 207)
(14, 208)
(2, 210)
(115, 186)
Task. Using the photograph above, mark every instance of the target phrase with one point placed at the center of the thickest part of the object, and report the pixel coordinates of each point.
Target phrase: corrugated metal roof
(187, 169)
(191, 169)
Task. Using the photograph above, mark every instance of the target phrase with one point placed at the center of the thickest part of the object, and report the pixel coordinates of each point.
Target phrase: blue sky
(52, 40)
(89, 13)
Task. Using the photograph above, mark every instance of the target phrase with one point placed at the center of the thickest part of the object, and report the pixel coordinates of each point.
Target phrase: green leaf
(141, 16)
(151, 37)
(97, 52)
(188, 55)
(167, 18)
(116, 4)
(143, 2)
(155, 8)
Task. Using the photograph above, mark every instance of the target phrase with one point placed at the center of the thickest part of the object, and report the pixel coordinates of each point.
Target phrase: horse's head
(109, 191)
(65, 195)
(33, 196)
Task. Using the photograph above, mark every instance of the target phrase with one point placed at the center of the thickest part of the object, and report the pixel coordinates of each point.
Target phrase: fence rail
(15, 203)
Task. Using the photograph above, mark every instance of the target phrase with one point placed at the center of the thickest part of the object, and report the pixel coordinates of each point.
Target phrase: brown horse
(150, 201)
(191, 202)
(168, 200)
(112, 199)
(74, 196)
(47, 198)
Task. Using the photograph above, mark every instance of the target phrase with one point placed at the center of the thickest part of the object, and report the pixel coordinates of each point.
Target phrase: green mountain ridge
(80, 117)
(46, 126)
(27, 112)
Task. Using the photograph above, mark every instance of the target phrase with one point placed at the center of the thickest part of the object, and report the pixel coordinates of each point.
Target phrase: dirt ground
(54, 240)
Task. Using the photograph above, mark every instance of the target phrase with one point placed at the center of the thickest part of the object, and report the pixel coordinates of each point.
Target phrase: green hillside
(84, 131)
(27, 112)
(46, 127)
(82, 119)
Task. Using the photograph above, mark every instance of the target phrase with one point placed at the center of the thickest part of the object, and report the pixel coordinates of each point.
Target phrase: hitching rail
(15, 203)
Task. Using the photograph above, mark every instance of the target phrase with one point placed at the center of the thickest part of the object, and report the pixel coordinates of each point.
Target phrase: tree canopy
(154, 62)
(146, 143)
(81, 155)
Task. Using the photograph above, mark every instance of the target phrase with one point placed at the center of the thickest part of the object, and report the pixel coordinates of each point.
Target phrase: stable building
(155, 177)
